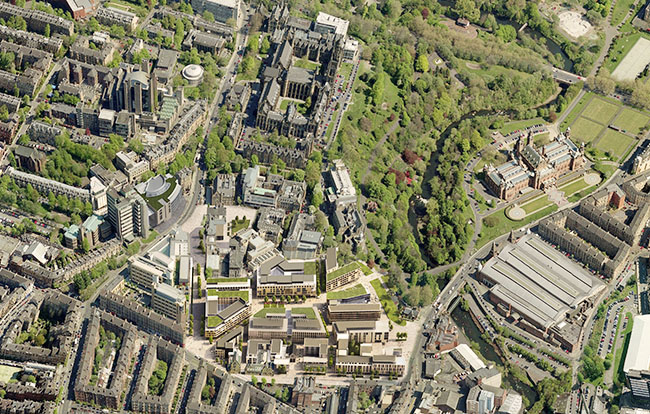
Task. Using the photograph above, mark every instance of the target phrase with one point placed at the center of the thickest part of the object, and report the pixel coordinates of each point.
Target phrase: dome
(192, 72)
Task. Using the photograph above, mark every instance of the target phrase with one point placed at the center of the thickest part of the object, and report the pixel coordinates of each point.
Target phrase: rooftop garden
(311, 268)
(229, 294)
(309, 312)
(217, 280)
(263, 312)
(356, 290)
(342, 270)
(154, 202)
(213, 321)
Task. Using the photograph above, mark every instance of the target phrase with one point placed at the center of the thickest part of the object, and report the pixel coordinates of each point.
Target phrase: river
(467, 325)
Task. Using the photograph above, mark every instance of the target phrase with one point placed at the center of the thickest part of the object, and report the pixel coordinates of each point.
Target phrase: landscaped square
(630, 120)
(584, 130)
(600, 110)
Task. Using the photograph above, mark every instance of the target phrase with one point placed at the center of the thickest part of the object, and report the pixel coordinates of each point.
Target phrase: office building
(168, 301)
(222, 10)
(128, 214)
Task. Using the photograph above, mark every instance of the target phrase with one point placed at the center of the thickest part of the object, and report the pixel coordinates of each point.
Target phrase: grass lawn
(491, 71)
(330, 127)
(151, 237)
(621, 7)
(600, 110)
(536, 204)
(584, 130)
(345, 70)
(251, 74)
(237, 225)
(356, 290)
(619, 376)
(573, 187)
(576, 110)
(631, 120)
(263, 312)
(614, 143)
(309, 312)
(515, 125)
(213, 321)
(502, 224)
(7, 372)
(387, 303)
(306, 64)
(542, 139)
(620, 48)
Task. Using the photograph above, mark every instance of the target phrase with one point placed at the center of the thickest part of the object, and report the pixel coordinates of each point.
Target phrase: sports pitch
(585, 130)
(631, 120)
(634, 61)
(614, 143)
(600, 111)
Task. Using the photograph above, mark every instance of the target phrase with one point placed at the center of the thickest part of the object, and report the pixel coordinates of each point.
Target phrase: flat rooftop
(638, 353)
(538, 281)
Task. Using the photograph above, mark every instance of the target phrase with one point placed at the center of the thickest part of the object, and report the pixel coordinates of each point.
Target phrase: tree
(422, 64)
(317, 198)
(207, 15)
(136, 146)
(377, 91)
(265, 46)
(602, 83)
(39, 341)
(253, 45)
(506, 33)
(47, 30)
(85, 245)
(4, 113)
(467, 9)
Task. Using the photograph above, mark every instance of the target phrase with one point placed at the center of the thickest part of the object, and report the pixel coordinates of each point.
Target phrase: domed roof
(192, 72)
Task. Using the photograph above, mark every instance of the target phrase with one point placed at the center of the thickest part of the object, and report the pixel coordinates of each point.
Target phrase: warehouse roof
(538, 281)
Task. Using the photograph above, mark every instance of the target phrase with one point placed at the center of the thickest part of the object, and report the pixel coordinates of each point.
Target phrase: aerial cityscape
(333, 206)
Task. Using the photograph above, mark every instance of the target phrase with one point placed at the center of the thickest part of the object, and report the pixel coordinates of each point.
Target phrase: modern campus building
(353, 311)
(342, 276)
(288, 326)
(544, 290)
(278, 277)
(168, 301)
(637, 360)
